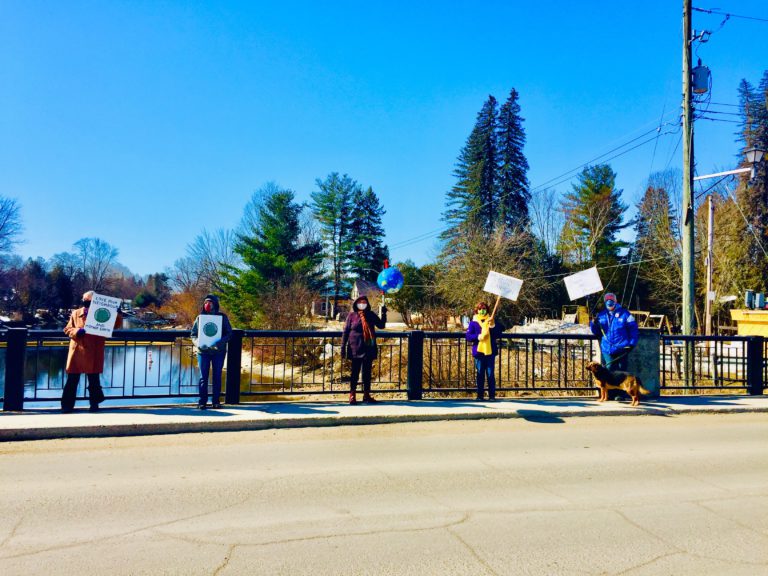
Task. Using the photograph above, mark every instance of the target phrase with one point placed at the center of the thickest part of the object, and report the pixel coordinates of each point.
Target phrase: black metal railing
(525, 362)
(711, 363)
(141, 364)
(137, 364)
(309, 363)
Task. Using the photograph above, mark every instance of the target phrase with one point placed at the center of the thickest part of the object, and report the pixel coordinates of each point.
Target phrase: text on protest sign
(208, 329)
(102, 315)
(503, 285)
(583, 283)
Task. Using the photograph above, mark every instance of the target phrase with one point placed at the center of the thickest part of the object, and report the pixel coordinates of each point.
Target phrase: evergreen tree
(752, 195)
(332, 207)
(272, 256)
(594, 216)
(513, 187)
(366, 232)
(472, 203)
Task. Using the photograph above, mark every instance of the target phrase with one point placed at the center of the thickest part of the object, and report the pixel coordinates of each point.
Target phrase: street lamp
(753, 156)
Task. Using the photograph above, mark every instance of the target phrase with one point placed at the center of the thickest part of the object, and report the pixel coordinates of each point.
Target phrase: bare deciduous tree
(211, 254)
(96, 259)
(547, 217)
(10, 223)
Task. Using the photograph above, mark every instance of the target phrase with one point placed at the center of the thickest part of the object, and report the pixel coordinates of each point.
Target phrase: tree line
(283, 253)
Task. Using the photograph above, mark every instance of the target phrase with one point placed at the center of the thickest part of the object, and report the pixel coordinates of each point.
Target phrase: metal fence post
(15, 356)
(755, 365)
(234, 360)
(415, 364)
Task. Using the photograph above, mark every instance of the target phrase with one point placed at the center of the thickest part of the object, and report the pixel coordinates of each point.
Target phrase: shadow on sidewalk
(540, 417)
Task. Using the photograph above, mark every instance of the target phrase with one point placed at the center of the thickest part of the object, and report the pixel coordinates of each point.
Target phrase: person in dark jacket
(86, 356)
(483, 332)
(210, 358)
(358, 344)
(618, 333)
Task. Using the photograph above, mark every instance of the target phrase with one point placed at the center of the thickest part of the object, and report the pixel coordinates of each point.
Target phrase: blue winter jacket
(616, 329)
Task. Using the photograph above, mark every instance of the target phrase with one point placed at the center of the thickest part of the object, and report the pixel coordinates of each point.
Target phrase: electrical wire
(565, 176)
(749, 226)
(718, 12)
(701, 193)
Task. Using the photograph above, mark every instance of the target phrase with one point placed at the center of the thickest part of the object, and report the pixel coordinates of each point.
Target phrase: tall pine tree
(332, 207)
(472, 202)
(366, 232)
(513, 188)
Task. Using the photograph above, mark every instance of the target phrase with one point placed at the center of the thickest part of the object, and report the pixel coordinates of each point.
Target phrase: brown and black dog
(615, 380)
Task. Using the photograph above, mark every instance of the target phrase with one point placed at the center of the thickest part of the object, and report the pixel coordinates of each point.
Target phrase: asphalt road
(640, 496)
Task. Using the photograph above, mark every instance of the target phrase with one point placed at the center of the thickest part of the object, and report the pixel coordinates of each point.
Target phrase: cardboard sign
(208, 329)
(502, 285)
(583, 283)
(102, 315)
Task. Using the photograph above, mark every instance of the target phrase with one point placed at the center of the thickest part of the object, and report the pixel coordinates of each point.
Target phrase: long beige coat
(86, 352)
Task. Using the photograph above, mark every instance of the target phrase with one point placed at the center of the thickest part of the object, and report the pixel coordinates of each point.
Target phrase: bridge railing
(146, 364)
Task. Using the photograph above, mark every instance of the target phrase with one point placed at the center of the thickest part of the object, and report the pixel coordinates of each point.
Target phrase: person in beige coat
(86, 356)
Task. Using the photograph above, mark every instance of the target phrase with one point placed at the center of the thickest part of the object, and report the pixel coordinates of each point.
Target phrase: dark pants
(367, 365)
(484, 367)
(69, 394)
(616, 361)
(210, 362)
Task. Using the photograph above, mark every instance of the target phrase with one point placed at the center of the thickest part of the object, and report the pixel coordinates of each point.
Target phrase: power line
(719, 12)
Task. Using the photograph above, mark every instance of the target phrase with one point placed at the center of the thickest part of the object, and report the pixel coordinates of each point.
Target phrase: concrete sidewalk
(135, 421)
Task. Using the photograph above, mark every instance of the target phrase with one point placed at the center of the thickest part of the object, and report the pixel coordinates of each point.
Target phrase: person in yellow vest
(483, 332)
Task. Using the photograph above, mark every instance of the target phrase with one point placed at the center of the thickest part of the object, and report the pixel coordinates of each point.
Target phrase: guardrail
(144, 364)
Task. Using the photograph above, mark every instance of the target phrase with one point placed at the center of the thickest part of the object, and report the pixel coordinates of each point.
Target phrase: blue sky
(144, 122)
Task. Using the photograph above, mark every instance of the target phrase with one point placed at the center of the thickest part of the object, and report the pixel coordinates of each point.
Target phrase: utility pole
(688, 218)
(688, 215)
(710, 249)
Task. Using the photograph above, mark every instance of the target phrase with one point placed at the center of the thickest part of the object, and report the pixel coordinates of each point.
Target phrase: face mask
(610, 304)
(362, 306)
(86, 303)
(208, 306)
(482, 312)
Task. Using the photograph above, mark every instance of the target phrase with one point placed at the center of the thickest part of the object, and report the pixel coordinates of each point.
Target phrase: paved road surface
(640, 496)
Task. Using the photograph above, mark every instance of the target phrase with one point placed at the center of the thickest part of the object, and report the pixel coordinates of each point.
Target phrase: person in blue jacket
(618, 333)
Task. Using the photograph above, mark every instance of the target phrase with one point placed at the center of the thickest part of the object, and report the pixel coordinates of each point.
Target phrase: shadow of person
(540, 416)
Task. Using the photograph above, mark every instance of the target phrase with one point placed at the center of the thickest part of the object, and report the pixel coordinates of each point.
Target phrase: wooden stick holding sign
(495, 307)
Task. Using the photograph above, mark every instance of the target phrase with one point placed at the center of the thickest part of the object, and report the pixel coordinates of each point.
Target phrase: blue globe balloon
(390, 280)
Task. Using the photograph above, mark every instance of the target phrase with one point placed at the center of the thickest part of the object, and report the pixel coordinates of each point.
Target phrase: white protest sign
(502, 285)
(583, 283)
(102, 314)
(208, 329)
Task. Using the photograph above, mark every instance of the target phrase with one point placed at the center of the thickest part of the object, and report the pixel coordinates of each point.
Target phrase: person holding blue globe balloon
(358, 344)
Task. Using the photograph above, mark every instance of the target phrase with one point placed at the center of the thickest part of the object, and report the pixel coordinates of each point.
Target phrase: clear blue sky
(144, 122)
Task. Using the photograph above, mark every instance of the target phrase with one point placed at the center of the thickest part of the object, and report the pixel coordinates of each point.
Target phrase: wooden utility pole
(688, 215)
(710, 249)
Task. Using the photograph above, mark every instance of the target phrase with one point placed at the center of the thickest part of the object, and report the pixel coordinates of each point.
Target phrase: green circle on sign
(102, 315)
(210, 329)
